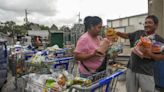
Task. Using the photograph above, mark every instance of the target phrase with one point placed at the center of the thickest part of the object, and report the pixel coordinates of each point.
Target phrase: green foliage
(43, 27)
(11, 27)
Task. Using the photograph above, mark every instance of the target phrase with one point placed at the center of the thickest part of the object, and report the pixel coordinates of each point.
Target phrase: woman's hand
(111, 39)
(98, 54)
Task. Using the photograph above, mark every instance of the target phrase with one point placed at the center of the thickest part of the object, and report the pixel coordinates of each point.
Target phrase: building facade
(127, 24)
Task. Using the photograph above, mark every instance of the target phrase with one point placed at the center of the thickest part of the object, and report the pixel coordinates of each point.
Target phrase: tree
(8, 27)
(20, 30)
(43, 27)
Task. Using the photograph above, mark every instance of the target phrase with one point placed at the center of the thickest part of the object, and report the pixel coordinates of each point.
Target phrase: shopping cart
(47, 63)
(29, 54)
(65, 52)
(101, 82)
(62, 62)
(56, 65)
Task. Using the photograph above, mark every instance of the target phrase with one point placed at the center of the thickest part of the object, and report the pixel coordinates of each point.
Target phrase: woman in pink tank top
(86, 48)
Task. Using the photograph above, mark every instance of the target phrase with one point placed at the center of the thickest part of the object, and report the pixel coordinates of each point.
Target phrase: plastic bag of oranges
(111, 33)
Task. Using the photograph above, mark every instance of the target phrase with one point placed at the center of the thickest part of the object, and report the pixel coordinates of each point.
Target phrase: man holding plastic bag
(155, 51)
(141, 65)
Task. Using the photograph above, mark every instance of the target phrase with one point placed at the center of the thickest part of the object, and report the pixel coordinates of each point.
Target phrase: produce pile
(55, 82)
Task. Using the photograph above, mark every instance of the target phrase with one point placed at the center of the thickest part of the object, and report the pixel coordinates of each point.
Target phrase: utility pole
(26, 18)
(156, 7)
(79, 19)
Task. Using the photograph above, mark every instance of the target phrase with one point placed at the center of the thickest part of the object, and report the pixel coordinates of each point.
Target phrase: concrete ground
(9, 86)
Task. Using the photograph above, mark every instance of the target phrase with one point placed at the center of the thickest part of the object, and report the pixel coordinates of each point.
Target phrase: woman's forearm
(82, 57)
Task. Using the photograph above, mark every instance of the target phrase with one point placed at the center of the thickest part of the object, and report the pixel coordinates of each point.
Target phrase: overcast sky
(64, 12)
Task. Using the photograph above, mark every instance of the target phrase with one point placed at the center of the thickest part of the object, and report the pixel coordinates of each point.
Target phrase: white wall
(116, 23)
(137, 21)
(109, 24)
(129, 24)
(125, 22)
(130, 29)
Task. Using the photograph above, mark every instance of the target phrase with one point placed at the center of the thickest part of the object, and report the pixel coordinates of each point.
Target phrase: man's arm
(157, 57)
(123, 35)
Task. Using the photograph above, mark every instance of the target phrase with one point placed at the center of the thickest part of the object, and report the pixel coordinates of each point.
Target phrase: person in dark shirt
(140, 70)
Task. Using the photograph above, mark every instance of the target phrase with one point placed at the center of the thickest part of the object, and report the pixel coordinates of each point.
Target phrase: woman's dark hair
(154, 18)
(87, 23)
(90, 21)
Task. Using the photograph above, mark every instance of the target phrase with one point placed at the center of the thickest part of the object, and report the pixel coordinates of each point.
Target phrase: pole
(156, 7)
(79, 20)
(12, 28)
(26, 18)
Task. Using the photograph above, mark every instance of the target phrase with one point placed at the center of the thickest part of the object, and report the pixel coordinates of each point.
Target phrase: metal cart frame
(103, 82)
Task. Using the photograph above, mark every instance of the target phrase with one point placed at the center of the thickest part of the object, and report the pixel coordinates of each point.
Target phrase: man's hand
(147, 51)
(142, 52)
(137, 51)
